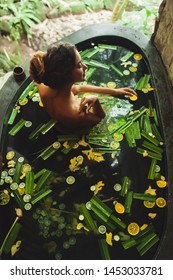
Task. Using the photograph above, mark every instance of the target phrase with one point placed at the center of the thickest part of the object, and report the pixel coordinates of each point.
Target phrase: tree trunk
(163, 35)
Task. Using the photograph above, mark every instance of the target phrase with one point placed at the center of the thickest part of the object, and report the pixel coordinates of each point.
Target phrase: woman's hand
(125, 91)
(87, 102)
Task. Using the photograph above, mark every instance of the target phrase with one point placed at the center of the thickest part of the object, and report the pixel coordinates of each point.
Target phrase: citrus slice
(144, 226)
(4, 198)
(161, 183)
(23, 101)
(160, 202)
(70, 180)
(149, 204)
(133, 228)
(126, 72)
(133, 97)
(133, 69)
(10, 155)
(111, 85)
(137, 56)
(117, 187)
(119, 208)
(118, 137)
(114, 145)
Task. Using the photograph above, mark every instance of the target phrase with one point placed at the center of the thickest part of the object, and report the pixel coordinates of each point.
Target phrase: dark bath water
(50, 226)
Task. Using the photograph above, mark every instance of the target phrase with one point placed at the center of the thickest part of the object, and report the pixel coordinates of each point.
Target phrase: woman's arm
(91, 102)
(115, 92)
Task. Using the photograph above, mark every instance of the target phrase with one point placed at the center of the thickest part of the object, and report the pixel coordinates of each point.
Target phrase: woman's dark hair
(53, 68)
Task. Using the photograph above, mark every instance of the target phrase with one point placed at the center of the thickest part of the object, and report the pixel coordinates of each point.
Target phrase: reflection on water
(101, 195)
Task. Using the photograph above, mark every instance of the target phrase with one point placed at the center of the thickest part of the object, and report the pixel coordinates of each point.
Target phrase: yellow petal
(150, 191)
(109, 238)
(152, 215)
(19, 212)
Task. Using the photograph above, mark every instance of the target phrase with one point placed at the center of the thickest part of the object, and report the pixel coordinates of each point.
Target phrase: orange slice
(133, 97)
(149, 204)
(160, 202)
(161, 183)
(119, 208)
(133, 228)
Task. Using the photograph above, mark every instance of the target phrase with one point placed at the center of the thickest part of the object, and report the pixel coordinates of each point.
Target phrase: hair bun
(37, 69)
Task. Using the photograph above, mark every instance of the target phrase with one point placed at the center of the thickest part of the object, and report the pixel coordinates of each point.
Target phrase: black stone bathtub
(89, 38)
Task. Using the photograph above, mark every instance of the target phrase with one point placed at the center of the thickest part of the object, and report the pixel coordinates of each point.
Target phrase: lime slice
(114, 144)
(93, 188)
(116, 237)
(117, 187)
(27, 197)
(28, 206)
(4, 174)
(14, 186)
(22, 185)
(118, 137)
(11, 171)
(133, 69)
(126, 72)
(102, 229)
(88, 205)
(70, 180)
(28, 123)
(8, 179)
(111, 85)
(21, 159)
(56, 145)
(23, 101)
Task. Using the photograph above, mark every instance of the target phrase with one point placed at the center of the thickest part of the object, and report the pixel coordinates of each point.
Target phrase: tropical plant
(143, 20)
(21, 20)
(9, 60)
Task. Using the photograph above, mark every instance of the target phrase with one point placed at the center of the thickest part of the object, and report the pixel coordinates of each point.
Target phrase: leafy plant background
(18, 16)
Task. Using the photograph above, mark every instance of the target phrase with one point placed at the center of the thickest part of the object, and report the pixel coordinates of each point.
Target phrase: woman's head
(54, 68)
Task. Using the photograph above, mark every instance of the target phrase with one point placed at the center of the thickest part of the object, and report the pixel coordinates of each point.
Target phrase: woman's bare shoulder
(46, 91)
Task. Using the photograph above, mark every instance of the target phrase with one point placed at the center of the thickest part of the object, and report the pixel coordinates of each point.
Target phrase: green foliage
(22, 18)
(9, 60)
(141, 20)
(118, 10)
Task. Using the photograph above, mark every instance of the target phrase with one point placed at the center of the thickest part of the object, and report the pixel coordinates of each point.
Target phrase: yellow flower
(145, 153)
(152, 215)
(94, 155)
(147, 89)
(109, 238)
(75, 164)
(15, 248)
(19, 212)
(151, 191)
(82, 142)
(65, 144)
(99, 187)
